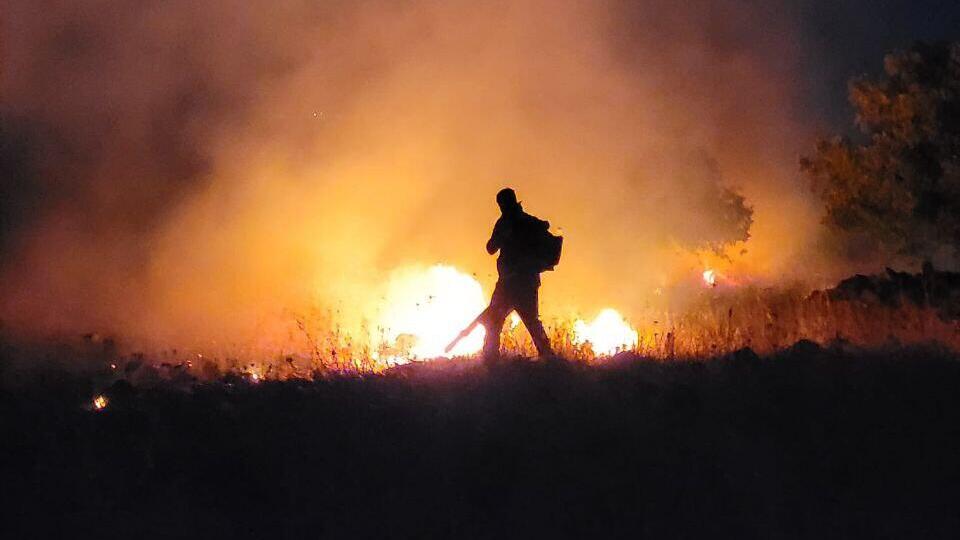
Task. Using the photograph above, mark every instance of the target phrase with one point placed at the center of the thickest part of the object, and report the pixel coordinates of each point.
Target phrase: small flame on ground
(100, 402)
(607, 334)
(710, 277)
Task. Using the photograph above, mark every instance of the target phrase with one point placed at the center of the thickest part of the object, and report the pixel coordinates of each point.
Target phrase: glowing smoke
(190, 172)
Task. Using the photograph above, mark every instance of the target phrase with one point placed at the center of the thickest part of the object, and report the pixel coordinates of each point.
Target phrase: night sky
(844, 38)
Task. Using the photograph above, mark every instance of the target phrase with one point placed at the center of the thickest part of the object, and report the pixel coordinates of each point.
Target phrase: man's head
(507, 200)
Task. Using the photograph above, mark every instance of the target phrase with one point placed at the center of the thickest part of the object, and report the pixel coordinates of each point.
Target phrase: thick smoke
(197, 171)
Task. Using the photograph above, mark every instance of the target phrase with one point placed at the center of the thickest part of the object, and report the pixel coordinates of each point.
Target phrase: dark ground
(810, 443)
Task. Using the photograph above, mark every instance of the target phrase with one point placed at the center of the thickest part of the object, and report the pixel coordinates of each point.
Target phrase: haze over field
(195, 172)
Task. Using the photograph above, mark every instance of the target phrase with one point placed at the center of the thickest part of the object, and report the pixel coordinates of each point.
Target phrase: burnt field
(809, 442)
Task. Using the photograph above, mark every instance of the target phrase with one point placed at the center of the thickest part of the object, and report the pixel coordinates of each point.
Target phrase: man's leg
(493, 323)
(529, 310)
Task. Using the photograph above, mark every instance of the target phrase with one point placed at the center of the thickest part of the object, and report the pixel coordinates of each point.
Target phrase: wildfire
(710, 277)
(100, 402)
(607, 334)
(425, 308)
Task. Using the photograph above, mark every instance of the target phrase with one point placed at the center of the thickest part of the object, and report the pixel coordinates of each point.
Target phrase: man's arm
(494, 243)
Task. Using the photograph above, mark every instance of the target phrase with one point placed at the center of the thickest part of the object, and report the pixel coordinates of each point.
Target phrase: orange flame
(425, 308)
(607, 334)
(100, 402)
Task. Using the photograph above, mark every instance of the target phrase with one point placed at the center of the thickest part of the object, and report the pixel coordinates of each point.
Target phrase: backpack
(548, 249)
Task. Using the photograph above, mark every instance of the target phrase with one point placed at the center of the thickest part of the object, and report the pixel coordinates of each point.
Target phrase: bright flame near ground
(100, 402)
(710, 278)
(607, 333)
(426, 308)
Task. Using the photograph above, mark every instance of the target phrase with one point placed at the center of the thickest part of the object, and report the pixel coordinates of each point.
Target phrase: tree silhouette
(897, 182)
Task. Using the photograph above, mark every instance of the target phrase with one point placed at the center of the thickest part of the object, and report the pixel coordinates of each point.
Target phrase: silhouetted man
(515, 235)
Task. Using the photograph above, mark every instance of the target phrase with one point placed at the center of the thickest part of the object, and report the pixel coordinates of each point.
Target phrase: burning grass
(767, 320)
(675, 434)
(720, 321)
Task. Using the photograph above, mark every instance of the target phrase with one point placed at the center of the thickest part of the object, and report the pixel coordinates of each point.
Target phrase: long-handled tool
(466, 331)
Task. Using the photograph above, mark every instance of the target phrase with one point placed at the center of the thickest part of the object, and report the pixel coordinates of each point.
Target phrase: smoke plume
(196, 171)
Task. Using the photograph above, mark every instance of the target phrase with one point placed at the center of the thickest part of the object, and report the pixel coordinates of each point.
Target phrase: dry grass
(767, 320)
(720, 322)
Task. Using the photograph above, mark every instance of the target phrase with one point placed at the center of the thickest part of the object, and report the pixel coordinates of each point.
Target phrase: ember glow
(607, 334)
(100, 402)
(424, 308)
